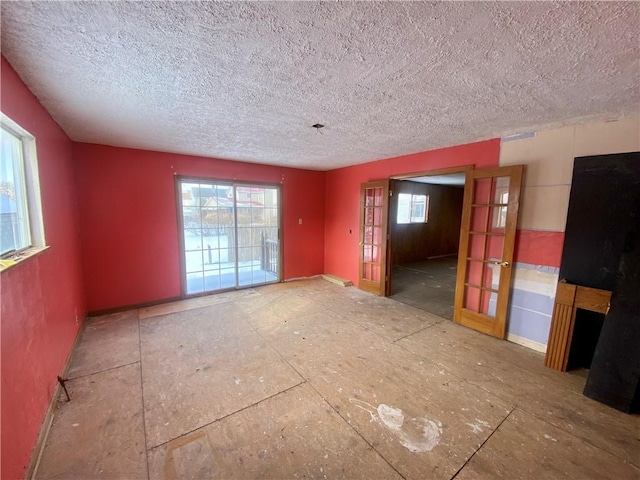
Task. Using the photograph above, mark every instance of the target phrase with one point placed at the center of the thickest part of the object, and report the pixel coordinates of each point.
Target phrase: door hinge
(391, 193)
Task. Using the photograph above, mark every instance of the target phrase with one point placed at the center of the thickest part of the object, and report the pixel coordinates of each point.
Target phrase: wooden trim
(181, 245)
(569, 298)
(434, 173)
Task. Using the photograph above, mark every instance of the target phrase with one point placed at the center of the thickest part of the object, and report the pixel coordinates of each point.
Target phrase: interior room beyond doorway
(424, 231)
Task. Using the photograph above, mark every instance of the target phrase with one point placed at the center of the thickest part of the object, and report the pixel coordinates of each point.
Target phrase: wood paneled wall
(439, 236)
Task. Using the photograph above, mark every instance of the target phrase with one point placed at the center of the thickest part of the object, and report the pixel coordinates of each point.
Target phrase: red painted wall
(539, 247)
(128, 215)
(343, 195)
(42, 297)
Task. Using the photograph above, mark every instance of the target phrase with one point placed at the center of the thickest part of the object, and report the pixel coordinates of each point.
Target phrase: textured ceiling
(245, 81)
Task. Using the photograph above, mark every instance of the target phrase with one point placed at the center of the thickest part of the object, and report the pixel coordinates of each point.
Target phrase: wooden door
(487, 240)
(374, 206)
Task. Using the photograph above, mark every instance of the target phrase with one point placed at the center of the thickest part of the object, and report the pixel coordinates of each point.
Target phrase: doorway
(229, 235)
(484, 274)
(424, 225)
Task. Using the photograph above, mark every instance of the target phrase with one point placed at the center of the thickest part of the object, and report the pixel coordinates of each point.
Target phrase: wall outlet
(299, 221)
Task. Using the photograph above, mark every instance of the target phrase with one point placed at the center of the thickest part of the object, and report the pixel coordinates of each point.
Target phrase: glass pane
(271, 216)
(482, 191)
(488, 303)
(14, 229)
(376, 255)
(368, 235)
(498, 219)
(403, 215)
(366, 271)
(259, 276)
(495, 246)
(368, 197)
(257, 237)
(368, 253)
(244, 256)
(215, 258)
(378, 196)
(191, 218)
(491, 277)
(227, 277)
(377, 235)
(193, 261)
(256, 257)
(195, 283)
(500, 188)
(471, 298)
(189, 193)
(479, 219)
(210, 239)
(368, 216)
(474, 273)
(211, 281)
(377, 216)
(193, 239)
(375, 273)
(476, 246)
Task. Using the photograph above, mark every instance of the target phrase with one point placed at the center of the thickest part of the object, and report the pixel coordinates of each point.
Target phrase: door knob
(502, 264)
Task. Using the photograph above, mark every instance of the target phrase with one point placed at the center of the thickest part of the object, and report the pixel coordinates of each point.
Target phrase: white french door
(229, 235)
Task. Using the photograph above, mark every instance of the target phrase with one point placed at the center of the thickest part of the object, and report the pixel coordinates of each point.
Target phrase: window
(412, 208)
(20, 211)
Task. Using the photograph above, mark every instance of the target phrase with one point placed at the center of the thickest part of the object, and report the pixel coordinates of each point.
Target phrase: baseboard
(125, 308)
(525, 342)
(36, 453)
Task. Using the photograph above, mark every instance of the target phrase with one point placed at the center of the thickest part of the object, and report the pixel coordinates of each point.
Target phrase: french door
(374, 208)
(230, 235)
(487, 240)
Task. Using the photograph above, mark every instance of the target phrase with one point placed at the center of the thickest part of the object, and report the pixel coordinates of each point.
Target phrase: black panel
(602, 250)
(614, 378)
(602, 191)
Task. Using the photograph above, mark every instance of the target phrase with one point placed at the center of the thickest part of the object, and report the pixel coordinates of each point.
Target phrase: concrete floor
(312, 380)
(429, 285)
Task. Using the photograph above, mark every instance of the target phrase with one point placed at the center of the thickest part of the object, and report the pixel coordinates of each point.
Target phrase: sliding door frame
(178, 179)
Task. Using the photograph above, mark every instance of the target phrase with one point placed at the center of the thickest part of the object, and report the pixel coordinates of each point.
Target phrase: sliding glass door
(230, 235)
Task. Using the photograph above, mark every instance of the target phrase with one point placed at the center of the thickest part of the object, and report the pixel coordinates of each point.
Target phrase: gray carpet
(428, 285)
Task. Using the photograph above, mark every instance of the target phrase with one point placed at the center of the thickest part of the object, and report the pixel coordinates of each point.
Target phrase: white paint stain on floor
(417, 435)
(478, 425)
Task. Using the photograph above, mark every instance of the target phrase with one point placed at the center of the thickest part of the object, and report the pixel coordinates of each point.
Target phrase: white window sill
(20, 257)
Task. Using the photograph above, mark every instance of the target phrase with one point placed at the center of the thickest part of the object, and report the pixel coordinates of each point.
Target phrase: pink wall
(343, 192)
(128, 215)
(539, 247)
(42, 297)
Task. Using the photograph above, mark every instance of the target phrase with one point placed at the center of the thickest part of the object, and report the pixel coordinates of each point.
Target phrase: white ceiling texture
(247, 80)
